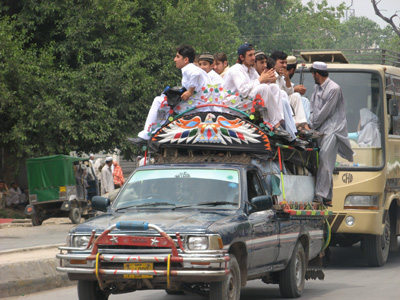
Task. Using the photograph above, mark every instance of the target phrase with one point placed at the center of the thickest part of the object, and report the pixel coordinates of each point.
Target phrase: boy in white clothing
(206, 62)
(243, 82)
(193, 79)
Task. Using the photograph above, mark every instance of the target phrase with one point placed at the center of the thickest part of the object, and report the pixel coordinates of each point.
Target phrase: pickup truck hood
(182, 220)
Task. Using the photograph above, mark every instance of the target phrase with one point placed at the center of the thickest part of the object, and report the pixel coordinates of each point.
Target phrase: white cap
(319, 65)
(108, 159)
(291, 60)
(91, 154)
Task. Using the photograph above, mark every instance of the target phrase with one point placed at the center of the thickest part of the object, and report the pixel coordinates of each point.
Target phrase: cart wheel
(36, 219)
(75, 215)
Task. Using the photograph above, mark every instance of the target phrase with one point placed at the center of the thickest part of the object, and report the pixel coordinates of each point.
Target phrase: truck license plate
(138, 266)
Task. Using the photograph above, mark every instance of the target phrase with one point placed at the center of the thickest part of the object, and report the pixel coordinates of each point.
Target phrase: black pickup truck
(207, 228)
(204, 217)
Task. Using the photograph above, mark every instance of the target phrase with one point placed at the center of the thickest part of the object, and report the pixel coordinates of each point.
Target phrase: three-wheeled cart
(58, 187)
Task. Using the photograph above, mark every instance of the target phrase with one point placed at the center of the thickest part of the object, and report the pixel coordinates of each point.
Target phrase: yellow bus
(366, 192)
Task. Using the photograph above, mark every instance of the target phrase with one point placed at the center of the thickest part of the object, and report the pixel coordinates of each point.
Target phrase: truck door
(263, 246)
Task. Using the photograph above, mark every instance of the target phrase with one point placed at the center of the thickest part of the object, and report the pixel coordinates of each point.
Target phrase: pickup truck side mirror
(100, 203)
(261, 203)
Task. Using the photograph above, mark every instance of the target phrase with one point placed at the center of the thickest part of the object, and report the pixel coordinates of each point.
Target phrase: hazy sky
(363, 8)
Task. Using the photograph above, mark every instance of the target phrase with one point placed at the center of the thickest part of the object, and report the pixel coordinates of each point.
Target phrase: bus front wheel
(376, 247)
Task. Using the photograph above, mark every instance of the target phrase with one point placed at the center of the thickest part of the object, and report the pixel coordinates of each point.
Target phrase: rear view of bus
(366, 196)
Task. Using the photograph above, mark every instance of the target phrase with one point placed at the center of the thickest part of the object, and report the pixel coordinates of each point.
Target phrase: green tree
(360, 33)
(287, 25)
(81, 75)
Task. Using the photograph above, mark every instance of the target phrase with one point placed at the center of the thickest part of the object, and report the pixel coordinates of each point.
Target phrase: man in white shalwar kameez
(328, 116)
(283, 80)
(107, 179)
(260, 65)
(193, 80)
(243, 82)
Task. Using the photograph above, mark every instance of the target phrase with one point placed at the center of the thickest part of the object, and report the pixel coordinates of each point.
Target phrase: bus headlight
(350, 221)
(198, 242)
(361, 202)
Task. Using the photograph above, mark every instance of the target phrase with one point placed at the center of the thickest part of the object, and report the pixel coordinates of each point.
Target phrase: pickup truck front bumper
(175, 261)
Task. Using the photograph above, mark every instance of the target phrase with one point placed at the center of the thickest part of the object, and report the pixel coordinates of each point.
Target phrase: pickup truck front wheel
(90, 290)
(292, 279)
(228, 289)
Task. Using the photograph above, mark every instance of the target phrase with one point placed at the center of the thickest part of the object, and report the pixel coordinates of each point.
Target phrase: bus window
(393, 92)
(363, 95)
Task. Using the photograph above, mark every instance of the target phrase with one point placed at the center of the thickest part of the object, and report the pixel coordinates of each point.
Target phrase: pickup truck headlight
(362, 201)
(80, 241)
(198, 242)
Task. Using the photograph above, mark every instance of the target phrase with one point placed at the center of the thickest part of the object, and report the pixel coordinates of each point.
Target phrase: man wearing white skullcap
(328, 116)
(107, 179)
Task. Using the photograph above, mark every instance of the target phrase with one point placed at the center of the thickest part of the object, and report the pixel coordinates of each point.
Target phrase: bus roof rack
(360, 56)
(326, 56)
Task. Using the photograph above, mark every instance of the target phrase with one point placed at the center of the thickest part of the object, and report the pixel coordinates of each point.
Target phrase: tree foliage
(80, 75)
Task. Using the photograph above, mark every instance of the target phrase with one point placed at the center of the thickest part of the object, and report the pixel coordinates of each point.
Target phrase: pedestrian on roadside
(118, 175)
(107, 180)
(15, 197)
(3, 193)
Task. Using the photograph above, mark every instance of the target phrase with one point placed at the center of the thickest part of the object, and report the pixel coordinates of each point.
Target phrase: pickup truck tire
(292, 279)
(228, 289)
(75, 215)
(376, 247)
(90, 290)
(171, 292)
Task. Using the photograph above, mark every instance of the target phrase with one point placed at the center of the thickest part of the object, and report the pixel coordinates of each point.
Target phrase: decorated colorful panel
(213, 130)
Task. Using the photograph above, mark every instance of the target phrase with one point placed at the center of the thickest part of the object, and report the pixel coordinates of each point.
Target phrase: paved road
(347, 278)
(53, 231)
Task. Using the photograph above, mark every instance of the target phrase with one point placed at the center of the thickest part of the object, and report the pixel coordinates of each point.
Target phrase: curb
(17, 223)
(31, 248)
(30, 276)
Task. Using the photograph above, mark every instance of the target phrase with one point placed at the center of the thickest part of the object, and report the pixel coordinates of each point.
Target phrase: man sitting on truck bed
(193, 79)
(243, 80)
(261, 65)
(283, 80)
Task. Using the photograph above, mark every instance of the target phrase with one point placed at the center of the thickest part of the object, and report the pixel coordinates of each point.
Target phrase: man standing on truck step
(107, 179)
(328, 116)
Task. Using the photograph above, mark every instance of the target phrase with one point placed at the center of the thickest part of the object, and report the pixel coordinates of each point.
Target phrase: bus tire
(376, 247)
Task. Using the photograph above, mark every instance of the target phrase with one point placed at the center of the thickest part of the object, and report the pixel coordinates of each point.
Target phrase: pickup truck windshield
(176, 187)
(363, 95)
